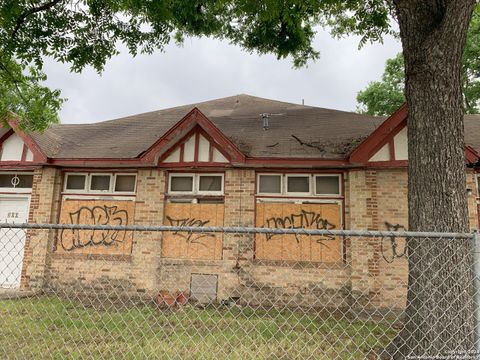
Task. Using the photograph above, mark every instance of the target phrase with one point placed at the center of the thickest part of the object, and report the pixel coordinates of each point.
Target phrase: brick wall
(368, 275)
(44, 204)
(135, 273)
(377, 200)
(175, 274)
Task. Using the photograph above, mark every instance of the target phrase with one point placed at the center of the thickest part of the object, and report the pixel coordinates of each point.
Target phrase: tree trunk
(439, 317)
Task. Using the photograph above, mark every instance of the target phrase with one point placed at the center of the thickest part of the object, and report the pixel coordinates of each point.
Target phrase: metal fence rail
(163, 292)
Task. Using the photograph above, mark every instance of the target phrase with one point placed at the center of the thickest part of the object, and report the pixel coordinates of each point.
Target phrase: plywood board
(183, 245)
(95, 212)
(298, 247)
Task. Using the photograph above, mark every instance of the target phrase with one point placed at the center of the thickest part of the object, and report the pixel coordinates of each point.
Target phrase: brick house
(236, 161)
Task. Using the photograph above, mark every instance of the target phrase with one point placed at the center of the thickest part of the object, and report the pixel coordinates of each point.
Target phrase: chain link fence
(135, 292)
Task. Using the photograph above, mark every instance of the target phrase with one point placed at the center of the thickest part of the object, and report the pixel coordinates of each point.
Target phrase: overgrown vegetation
(54, 328)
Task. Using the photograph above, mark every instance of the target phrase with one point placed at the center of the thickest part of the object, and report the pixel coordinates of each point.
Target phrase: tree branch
(23, 17)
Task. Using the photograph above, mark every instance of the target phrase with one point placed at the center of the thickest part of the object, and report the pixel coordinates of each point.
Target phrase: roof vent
(265, 117)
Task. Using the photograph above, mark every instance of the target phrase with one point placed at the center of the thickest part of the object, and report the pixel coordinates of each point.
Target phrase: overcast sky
(205, 69)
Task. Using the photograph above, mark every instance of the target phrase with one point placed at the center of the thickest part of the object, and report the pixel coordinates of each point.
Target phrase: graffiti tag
(70, 239)
(303, 220)
(391, 249)
(190, 237)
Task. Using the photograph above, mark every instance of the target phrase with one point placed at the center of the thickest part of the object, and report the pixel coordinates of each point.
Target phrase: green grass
(50, 327)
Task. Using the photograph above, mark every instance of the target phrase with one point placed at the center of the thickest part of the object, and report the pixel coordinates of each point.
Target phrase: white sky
(205, 69)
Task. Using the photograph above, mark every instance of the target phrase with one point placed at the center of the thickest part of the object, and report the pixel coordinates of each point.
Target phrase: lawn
(49, 327)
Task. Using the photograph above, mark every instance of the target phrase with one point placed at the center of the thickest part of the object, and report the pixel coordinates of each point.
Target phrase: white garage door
(12, 241)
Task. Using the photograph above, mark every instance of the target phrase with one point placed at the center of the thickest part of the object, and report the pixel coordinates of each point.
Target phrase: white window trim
(307, 193)
(124, 192)
(195, 184)
(270, 174)
(477, 179)
(276, 200)
(312, 185)
(210, 192)
(88, 176)
(15, 189)
(86, 196)
(91, 191)
(327, 175)
(170, 176)
(86, 184)
(182, 201)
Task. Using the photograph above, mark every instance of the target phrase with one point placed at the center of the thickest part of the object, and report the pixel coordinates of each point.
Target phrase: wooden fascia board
(471, 156)
(5, 136)
(378, 137)
(38, 155)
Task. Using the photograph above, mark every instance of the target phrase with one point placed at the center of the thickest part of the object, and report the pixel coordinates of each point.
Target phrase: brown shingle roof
(295, 131)
(472, 131)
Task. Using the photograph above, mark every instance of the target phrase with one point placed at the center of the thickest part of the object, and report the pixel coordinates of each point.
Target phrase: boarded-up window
(95, 212)
(298, 247)
(184, 245)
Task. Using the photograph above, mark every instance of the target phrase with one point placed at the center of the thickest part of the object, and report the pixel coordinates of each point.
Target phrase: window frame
(85, 187)
(339, 178)
(222, 184)
(15, 189)
(296, 193)
(270, 174)
(134, 191)
(88, 181)
(477, 185)
(91, 191)
(284, 176)
(172, 192)
(196, 184)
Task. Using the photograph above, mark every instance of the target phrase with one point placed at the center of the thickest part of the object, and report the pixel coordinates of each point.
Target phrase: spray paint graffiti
(303, 220)
(190, 238)
(391, 248)
(73, 239)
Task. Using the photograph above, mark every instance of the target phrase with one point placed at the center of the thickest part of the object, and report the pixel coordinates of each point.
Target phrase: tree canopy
(382, 98)
(87, 33)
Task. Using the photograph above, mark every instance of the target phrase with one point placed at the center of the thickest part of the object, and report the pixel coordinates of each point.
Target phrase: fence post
(476, 266)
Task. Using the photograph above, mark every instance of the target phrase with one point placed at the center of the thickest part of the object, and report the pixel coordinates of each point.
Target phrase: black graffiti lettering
(303, 220)
(73, 239)
(190, 237)
(390, 247)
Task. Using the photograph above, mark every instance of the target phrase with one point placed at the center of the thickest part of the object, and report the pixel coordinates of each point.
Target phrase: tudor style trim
(196, 132)
(471, 156)
(38, 155)
(184, 126)
(380, 136)
(384, 135)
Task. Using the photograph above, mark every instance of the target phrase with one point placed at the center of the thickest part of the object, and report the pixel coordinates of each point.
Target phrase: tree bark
(439, 318)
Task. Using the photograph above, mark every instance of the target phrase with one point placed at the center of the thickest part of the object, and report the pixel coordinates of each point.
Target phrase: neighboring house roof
(295, 131)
